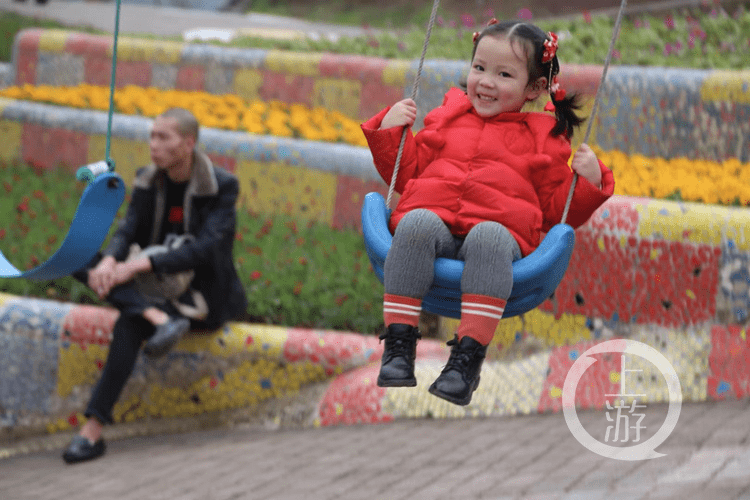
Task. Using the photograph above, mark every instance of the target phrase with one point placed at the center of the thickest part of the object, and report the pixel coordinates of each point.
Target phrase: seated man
(180, 195)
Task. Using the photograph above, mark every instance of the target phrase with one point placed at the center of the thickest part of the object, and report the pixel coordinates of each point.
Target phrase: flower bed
(726, 183)
(228, 111)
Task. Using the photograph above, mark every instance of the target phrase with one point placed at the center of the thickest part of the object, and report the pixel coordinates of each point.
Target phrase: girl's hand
(586, 165)
(402, 113)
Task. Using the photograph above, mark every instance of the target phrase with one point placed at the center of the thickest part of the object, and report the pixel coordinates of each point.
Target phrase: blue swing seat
(535, 277)
(96, 211)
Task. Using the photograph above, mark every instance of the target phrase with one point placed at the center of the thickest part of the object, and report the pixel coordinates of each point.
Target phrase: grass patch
(295, 273)
(11, 23)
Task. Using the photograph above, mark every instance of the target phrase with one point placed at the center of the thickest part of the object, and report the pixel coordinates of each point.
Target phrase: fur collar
(202, 181)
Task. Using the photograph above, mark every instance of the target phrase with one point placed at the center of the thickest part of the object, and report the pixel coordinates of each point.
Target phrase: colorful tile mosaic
(673, 275)
(29, 333)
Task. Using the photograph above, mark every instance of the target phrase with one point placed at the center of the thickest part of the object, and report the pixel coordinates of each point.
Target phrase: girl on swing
(479, 183)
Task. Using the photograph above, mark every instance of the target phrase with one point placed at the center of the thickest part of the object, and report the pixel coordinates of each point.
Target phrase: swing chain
(597, 98)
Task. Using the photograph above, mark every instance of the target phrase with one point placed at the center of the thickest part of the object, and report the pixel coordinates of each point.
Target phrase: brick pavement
(534, 457)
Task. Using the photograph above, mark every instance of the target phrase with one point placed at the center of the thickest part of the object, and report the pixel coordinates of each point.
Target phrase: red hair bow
(489, 23)
(550, 47)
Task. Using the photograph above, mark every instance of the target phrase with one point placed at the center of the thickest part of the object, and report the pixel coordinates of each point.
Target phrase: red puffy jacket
(467, 169)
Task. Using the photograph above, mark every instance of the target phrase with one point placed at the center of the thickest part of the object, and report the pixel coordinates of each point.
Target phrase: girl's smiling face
(498, 81)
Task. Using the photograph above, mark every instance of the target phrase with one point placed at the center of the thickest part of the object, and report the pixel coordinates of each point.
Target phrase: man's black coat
(209, 215)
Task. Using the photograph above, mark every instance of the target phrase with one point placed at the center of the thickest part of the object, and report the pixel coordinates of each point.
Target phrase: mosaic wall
(677, 279)
(677, 275)
(52, 353)
(310, 180)
(656, 112)
(674, 276)
(356, 86)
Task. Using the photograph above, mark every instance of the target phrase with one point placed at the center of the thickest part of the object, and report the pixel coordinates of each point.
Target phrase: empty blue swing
(535, 277)
(97, 209)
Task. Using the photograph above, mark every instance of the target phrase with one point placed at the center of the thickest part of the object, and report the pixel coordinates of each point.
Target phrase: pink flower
(489, 12)
(587, 16)
(525, 14)
(669, 22)
(467, 20)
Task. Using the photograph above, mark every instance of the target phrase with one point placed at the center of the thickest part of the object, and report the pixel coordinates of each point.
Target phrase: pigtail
(564, 106)
(565, 113)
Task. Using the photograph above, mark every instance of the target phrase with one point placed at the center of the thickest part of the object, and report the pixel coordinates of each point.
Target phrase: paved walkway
(533, 457)
(171, 21)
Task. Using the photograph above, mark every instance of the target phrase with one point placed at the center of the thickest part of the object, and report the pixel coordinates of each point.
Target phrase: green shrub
(687, 39)
(296, 274)
(11, 23)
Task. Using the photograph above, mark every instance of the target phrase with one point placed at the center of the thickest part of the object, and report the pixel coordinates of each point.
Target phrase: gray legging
(488, 252)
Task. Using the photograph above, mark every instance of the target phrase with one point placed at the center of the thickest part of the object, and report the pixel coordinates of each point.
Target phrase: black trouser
(129, 332)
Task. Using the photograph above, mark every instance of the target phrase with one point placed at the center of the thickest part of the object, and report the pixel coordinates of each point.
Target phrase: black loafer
(166, 336)
(80, 449)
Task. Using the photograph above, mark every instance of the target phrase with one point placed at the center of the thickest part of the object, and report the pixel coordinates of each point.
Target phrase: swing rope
(97, 209)
(414, 90)
(89, 172)
(597, 98)
(110, 161)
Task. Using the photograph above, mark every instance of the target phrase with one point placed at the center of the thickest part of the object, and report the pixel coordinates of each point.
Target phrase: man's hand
(586, 165)
(126, 271)
(402, 113)
(101, 278)
(109, 273)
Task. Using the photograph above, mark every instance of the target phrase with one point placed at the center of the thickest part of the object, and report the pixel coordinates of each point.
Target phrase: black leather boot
(397, 365)
(460, 377)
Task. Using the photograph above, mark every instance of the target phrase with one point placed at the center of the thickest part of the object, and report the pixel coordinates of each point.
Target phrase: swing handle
(89, 172)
